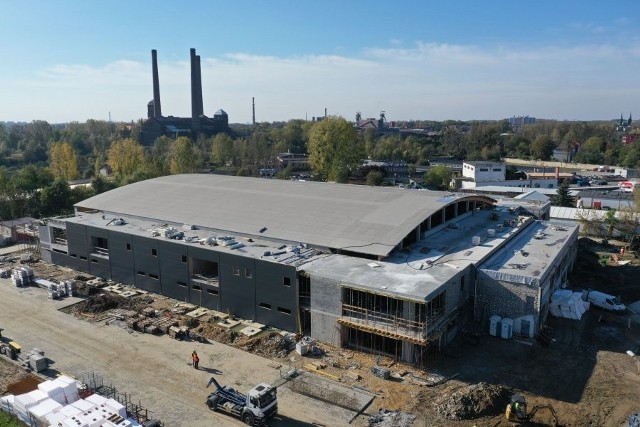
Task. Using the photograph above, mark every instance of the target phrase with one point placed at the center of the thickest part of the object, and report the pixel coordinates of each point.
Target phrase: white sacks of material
(568, 304)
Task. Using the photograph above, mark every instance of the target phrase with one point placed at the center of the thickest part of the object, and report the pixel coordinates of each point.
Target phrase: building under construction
(157, 125)
(385, 270)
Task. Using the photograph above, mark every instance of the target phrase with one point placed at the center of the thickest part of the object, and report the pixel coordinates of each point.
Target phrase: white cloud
(427, 81)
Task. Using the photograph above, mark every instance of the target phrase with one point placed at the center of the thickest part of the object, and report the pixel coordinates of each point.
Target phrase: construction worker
(195, 358)
(519, 410)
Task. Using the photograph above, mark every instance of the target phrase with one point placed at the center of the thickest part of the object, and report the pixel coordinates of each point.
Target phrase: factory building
(158, 125)
(377, 269)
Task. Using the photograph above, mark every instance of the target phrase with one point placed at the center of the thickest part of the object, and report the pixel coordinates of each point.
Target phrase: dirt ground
(585, 373)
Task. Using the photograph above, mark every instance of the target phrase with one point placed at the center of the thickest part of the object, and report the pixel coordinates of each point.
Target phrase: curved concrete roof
(362, 219)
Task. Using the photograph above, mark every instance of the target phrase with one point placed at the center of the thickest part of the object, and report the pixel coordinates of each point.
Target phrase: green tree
(542, 147)
(55, 199)
(333, 149)
(126, 157)
(438, 177)
(63, 161)
(183, 156)
(562, 195)
(375, 178)
(221, 149)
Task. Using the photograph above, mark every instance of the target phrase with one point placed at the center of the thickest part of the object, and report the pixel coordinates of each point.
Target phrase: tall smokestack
(199, 87)
(253, 106)
(196, 91)
(157, 110)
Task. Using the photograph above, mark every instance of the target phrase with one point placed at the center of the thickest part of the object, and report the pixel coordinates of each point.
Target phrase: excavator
(516, 411)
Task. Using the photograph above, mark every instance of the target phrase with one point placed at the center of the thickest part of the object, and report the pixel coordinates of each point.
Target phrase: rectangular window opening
(93, 260)
(196, 288)
(184, 258)
(154, 276)
(212, 292)
(287, 281)
(248, 273)
(154, 252)
(84, 258)
(128, 246)
(236, 270)
(284, 310)
(181, 284)
(141, 273)
(265, 305)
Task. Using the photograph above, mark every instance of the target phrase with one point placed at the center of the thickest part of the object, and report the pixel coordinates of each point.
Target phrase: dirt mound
(107, 301)
(473, 401)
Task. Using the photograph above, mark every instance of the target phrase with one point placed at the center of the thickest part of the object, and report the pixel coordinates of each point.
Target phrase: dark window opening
(84, 258)
(59, 236)
(196, 287)
(100, 245)
(154, 252)
(128, 246)
(236, 270)
(212, 292)
(436, 219)
(184, 258)
(62, 252)
(93, 260)
(154, 276)
(265, 305)
(284, 310)
(462, 283)
(141, 273)
(376, 344)
(181, 284)
(449, 212)
(247, 273)
(287, 281)
(304, 292)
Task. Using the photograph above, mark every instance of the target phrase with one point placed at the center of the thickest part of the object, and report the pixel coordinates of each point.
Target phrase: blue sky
(70, 60)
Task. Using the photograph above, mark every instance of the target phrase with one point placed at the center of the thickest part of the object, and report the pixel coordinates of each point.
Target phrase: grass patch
(8, 420)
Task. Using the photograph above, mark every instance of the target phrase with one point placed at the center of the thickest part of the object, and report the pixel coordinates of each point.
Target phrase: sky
(74, 60)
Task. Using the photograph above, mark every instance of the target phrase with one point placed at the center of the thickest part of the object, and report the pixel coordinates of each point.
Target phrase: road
(155, 370)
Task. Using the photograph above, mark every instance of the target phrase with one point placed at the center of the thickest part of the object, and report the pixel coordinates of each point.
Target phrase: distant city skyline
(417, 60)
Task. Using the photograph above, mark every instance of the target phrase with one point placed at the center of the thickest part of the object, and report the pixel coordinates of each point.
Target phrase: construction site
(359, 305)
(584, 373)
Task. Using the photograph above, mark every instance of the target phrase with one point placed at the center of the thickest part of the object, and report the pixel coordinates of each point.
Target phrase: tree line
(38, 156)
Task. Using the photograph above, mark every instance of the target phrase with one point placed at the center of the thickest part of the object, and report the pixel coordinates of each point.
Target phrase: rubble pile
(273, 345)
(385, 418)
(473, 401)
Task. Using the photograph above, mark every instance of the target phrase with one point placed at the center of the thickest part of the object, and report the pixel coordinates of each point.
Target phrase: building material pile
(386, 418)
(474, 401)
(22, 276)
(568, 304)
(57, 402)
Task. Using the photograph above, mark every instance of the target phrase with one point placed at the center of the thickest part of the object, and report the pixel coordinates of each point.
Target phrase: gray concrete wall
(174, 272)
(78, 254)
(146, 261)
(121, 257)
(505, 299)
(237, 288)
(276, 302)
(325, 309)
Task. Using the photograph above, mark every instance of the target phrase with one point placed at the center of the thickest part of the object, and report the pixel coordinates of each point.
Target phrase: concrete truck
(255, 408)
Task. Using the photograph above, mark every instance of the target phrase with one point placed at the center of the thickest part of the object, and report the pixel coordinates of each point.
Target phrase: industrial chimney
(157, 110)
(196, 91)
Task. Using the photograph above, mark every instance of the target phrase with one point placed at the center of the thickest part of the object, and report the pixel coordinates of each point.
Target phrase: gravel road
(155, 370)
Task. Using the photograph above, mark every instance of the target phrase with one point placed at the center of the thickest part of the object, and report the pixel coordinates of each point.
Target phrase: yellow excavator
(516, 411)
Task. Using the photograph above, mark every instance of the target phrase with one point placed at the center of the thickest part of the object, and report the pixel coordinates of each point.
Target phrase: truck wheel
(247, 418)
(213, 404)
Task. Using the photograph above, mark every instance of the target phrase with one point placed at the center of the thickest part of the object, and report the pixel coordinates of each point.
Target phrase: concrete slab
(250, 331)
(198, 312)
(331, 392)
(229, 323)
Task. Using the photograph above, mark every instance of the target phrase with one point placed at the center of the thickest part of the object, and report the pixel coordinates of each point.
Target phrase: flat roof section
(527, 258)
(357, 218)
(419, 273)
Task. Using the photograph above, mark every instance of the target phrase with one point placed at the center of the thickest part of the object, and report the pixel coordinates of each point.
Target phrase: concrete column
(408, 312)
